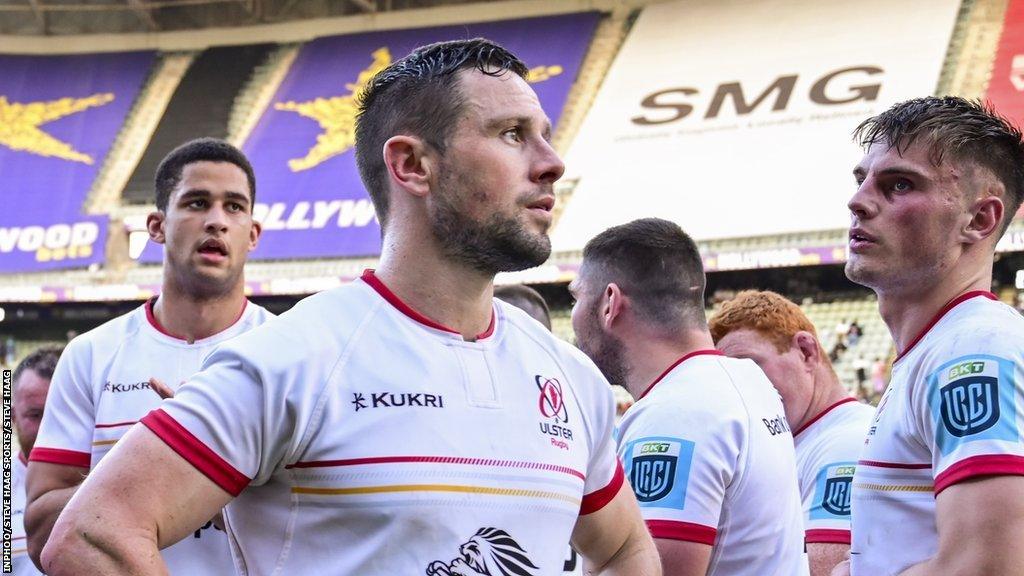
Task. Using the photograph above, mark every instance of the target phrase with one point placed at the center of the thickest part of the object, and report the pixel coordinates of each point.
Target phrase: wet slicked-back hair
(419, 95)
(657, 266)
(168, 174)
(958, 129)
(42, 361)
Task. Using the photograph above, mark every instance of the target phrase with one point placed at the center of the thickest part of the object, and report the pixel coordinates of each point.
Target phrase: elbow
(56, 555)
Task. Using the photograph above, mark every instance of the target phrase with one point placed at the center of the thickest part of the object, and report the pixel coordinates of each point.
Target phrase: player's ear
(155, 226)
(254, 234)
(410, 164)
(613, 302)
(810, 350)
(986, 219)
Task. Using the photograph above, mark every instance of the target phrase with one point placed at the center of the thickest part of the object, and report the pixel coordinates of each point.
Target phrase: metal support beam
(39, 14)
(142, 11)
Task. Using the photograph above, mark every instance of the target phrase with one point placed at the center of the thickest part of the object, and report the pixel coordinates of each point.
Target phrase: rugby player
(939, 488)
(407, 423)
(828, 425)
(204, 197)
(526, 299)
(30, 383)
(706, 446)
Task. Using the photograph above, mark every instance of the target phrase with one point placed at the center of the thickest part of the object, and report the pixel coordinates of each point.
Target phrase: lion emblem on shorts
(490, 552)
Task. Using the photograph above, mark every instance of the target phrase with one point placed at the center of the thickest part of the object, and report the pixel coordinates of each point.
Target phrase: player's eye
(515, 134)
(902, 185)
(197, 203)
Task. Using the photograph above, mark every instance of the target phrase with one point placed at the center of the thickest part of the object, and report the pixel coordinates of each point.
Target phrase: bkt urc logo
(653, 471)
(970, 405)
(837, 495)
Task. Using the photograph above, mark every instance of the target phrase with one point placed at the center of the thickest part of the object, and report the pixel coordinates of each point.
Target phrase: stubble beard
(607, 353)
(499, 243)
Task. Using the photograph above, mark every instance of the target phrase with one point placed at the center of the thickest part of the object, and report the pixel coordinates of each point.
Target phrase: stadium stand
(201, 106)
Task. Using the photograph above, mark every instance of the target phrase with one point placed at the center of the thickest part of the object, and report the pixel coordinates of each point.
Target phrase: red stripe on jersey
(984, 465)
(685, 531)
(60, 456)
(899, 465)
(945, 309)
(826, 536)
(600, 498)
(195, 452)
(822, 413)
(371, 278)
(438, 460)
(116, 424)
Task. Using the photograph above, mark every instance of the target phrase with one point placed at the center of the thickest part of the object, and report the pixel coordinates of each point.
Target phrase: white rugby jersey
(101, 387)
(827, 450)
(361, 437)
(952, 412)
(710, 457)
(21, 562)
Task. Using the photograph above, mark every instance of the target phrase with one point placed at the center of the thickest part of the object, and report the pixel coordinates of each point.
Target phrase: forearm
(40, 516)
(101, 549)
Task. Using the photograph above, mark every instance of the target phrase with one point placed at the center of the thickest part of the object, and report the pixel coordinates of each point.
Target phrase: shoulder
(315, 326)
(106, 337)
(979, 326)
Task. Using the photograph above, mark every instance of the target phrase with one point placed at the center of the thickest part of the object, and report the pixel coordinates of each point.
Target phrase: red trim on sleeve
(822, 413)
(371, 278)
(61, 456)
(685, 531)
(195, 452)
(899, 465)
(985, 465)
(708, 352)
(826, 536)
(945, 309)
(600, 498)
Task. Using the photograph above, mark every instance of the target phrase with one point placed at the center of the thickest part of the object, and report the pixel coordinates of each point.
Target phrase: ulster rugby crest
(970, 405)
(490, 552)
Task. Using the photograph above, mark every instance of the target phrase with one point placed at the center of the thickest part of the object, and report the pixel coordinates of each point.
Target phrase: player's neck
(909, 312)
(827, 391)
(649, 358)
(193, 319)
(447, 293)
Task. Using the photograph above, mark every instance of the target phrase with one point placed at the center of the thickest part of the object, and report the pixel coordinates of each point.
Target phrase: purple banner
(59, 116)
(311, 201)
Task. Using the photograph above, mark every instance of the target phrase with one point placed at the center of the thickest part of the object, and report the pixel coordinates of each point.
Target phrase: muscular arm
(141, 498)
(48, 489)
(680, 558)
(823, 557)
(614, 540)
(981, 525)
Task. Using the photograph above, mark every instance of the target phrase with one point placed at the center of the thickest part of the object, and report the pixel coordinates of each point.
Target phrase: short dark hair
(42, 361)
(526, 299)
(168, 174)
(657, 265)
(961, 129)
(419, 95)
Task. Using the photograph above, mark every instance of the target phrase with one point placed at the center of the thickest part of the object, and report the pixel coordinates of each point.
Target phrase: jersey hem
(61, 456)
(179, 439)
(827, 536)
(985, 465)
(599, 499)
(684, 531)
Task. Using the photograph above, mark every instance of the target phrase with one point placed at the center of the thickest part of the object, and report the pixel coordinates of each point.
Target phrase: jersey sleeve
(233, 420)
(968, 407)
(826, 502)
(604, 473)
(680, 468)
(66, 431)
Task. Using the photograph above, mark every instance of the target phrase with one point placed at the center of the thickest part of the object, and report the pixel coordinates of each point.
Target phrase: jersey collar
(945, 310)
(822, 414)
(152, 319)
(708, 352)
(371, 278)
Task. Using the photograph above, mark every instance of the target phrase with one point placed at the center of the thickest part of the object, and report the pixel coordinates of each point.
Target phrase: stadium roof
(76, 17)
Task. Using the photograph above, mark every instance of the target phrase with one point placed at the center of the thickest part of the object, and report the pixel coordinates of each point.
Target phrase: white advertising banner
(734, 117)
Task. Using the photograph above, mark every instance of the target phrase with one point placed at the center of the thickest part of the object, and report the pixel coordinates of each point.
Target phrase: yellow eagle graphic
(337, 115)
